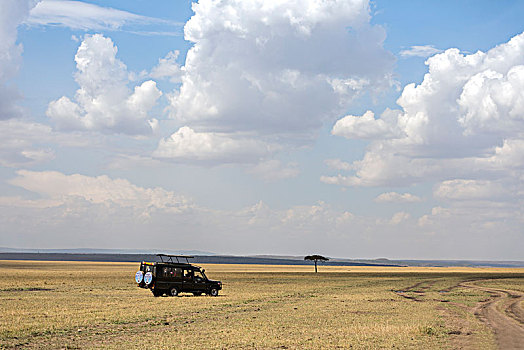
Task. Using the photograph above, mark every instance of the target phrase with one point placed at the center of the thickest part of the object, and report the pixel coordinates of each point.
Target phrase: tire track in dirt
(418, 289)
(503, 314)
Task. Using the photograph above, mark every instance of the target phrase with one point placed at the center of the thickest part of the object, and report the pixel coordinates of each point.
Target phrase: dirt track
(504, 314)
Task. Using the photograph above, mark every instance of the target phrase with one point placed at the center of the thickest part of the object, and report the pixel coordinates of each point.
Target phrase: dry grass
(97, 305)
(503, 283)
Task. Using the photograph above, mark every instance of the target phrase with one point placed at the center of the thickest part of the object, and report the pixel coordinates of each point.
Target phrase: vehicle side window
(188, 274)
(166, 271)
(172, 272)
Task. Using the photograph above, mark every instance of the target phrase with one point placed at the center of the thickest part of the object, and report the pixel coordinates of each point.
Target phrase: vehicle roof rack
(169, 258)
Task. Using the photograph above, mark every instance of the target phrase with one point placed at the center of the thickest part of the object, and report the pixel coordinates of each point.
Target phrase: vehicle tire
(197, 294)
(173, 292)
(157, 293)
(213, 292)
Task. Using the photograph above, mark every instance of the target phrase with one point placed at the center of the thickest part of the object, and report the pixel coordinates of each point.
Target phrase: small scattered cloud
(399, 217)
(116, 210)
(188, 145)
(364, 127)
(168, 68)
(420, 51)
(473, 190)
(394, 197)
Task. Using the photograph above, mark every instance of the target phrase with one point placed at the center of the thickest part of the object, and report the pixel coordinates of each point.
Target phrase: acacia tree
(316, 258)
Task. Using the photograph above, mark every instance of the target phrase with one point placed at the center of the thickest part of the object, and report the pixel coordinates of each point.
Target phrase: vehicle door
(188, 283)
(200, 281)
(162, 280)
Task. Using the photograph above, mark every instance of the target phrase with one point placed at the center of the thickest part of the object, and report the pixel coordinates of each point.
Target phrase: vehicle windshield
(199, 276)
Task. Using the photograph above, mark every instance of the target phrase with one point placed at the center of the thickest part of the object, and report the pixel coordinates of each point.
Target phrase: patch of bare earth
(503, 314)
(464, 330)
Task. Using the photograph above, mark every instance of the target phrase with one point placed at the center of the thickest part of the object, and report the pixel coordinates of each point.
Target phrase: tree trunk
(315, 266)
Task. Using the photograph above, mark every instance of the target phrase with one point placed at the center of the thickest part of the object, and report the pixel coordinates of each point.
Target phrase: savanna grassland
(76, 305)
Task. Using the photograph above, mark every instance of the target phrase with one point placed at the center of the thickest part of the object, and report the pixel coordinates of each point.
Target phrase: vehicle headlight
(139, 276)
(148, 277)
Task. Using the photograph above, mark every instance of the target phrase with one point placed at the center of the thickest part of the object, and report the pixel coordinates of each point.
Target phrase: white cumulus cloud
(464, 121)
(104, 102)
(493, 102)
(278, 70)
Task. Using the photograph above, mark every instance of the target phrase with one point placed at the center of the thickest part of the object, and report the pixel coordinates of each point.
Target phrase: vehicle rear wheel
(213, 292)
(173, 292)
(197, 294)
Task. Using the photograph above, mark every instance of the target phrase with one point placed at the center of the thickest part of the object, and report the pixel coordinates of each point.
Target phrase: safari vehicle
(171, 277)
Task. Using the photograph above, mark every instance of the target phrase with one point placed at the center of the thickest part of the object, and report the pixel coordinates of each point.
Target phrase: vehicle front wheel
(213, 292)
(157, 293)
(197, 294)
(173, 292)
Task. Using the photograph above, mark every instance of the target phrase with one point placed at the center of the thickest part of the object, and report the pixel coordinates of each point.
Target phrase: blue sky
(346, 128)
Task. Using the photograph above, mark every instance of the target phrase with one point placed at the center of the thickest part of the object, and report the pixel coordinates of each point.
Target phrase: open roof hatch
(169, 258)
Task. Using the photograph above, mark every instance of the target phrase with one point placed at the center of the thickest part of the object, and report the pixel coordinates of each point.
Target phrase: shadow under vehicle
(172, 277)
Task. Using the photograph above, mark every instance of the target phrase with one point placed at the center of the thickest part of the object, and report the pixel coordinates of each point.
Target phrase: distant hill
(408, 262)
(459, 263)
(105, 251)
(110, 255)
(199, 259)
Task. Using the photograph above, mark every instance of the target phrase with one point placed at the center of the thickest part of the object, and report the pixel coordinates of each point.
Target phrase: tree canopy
(316, 258)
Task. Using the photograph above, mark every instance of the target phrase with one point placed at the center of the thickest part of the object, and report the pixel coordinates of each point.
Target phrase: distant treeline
(199, 259)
